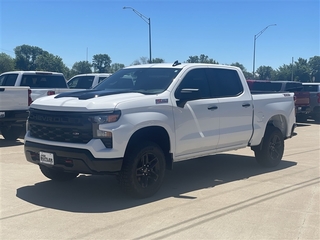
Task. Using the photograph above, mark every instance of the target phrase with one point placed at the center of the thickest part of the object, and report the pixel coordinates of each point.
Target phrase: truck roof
(180, 65)
(33, 72)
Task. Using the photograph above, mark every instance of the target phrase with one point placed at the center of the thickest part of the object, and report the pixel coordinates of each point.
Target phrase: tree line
(32, 58)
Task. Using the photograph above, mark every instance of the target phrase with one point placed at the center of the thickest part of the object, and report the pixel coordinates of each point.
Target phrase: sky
(224, 30)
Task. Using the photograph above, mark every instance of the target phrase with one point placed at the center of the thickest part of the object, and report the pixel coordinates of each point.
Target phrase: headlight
(105, 117)
(102, 118)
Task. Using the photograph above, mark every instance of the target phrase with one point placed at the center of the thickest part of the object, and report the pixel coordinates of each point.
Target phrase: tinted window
(265, 86)
(195, 79)
(101, 79)
(143, 80)
(293, 86)
(82, 82)
(224, 82)
(43, 81)
(8, 79)
(311, 88)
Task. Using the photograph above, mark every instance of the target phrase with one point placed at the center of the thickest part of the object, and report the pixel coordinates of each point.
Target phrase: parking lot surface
(226, 196)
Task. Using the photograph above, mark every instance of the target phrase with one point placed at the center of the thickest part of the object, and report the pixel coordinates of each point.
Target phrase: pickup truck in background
(143, 118)
(14, 106)
(314, 92)
(301, 97)
(41, 83)
(87, 81)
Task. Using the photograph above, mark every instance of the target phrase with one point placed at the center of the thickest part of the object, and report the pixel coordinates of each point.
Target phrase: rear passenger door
(235, 107)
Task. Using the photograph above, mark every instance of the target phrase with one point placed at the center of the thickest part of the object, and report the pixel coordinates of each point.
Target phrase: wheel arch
(155, 134)
(278, 121)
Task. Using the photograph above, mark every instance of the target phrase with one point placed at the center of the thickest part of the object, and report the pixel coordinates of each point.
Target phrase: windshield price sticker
(46, 158)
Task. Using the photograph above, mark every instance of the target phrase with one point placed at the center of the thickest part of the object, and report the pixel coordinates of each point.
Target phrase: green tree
(302, 70)
(115, 67)
(157, 60)
(201, 59)
(283, 73)
(265, 73)
(101, 63)
(48, 62)
(314, 64)
(26, 57)
(6, 63)
(81, 68)
(246, 74)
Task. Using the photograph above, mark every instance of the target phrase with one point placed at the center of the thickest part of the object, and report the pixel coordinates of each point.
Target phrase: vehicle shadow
(93, 194)
(9, 143)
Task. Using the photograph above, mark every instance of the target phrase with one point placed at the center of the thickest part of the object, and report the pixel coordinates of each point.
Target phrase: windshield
(142, 80)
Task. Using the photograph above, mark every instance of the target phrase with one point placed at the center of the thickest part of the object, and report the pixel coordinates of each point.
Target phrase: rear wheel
(143, 170)
(57, 175)
(270, 152)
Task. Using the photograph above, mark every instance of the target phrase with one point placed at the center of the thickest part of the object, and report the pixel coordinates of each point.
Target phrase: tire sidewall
(129, 180)
(263, 156)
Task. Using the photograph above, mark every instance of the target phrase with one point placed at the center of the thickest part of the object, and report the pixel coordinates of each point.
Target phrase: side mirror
(187, 94)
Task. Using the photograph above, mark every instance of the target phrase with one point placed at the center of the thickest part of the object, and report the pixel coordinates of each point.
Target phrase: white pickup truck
(143, 118)
(87, 81)
(41, 83)
(14, 106)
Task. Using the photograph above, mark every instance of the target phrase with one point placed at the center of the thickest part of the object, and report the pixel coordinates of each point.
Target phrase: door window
(195, 79)
(224, 82)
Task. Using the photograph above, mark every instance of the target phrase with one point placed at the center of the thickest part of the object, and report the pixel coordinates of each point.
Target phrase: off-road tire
(143, 170)
(270, 153)
(57, 175)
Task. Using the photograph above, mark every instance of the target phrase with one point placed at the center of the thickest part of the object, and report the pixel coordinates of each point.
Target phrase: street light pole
(148, 21)
(254, 45)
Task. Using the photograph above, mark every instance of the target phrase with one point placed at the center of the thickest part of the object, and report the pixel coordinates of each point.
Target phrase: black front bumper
(72, 159)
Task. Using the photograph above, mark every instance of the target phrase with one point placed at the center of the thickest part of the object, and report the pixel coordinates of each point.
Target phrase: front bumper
(72, 159)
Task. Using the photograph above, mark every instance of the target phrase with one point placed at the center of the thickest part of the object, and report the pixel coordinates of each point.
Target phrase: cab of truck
(87, 81)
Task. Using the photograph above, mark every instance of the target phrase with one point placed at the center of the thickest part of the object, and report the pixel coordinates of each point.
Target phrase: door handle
(212, 108)
(246, 105)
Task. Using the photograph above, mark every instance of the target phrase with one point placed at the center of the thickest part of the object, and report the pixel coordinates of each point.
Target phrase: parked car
(87, 81)
(41, 83)
(14, 110)
(302, 98)
(314, 90)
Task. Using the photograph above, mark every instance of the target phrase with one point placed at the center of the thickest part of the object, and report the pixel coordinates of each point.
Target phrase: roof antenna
(176, 63)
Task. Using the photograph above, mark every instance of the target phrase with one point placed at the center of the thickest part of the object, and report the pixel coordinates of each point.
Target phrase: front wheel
(57, 175)
(143, 170)
(270, 153)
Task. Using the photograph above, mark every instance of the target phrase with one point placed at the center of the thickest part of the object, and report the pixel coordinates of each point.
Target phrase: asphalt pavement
(226, 196)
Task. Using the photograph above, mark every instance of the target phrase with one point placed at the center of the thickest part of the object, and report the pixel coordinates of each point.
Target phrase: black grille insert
(72, 127)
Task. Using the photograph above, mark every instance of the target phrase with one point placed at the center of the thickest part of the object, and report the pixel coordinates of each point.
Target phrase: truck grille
(60, 126)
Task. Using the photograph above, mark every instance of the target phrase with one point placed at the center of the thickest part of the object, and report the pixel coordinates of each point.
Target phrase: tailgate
(14, 98)
(302, 98)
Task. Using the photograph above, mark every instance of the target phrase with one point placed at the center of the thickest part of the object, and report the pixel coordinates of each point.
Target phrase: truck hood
(86, 100)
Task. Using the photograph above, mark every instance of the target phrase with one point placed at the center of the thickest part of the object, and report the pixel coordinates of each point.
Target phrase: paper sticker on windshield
(160, 101)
